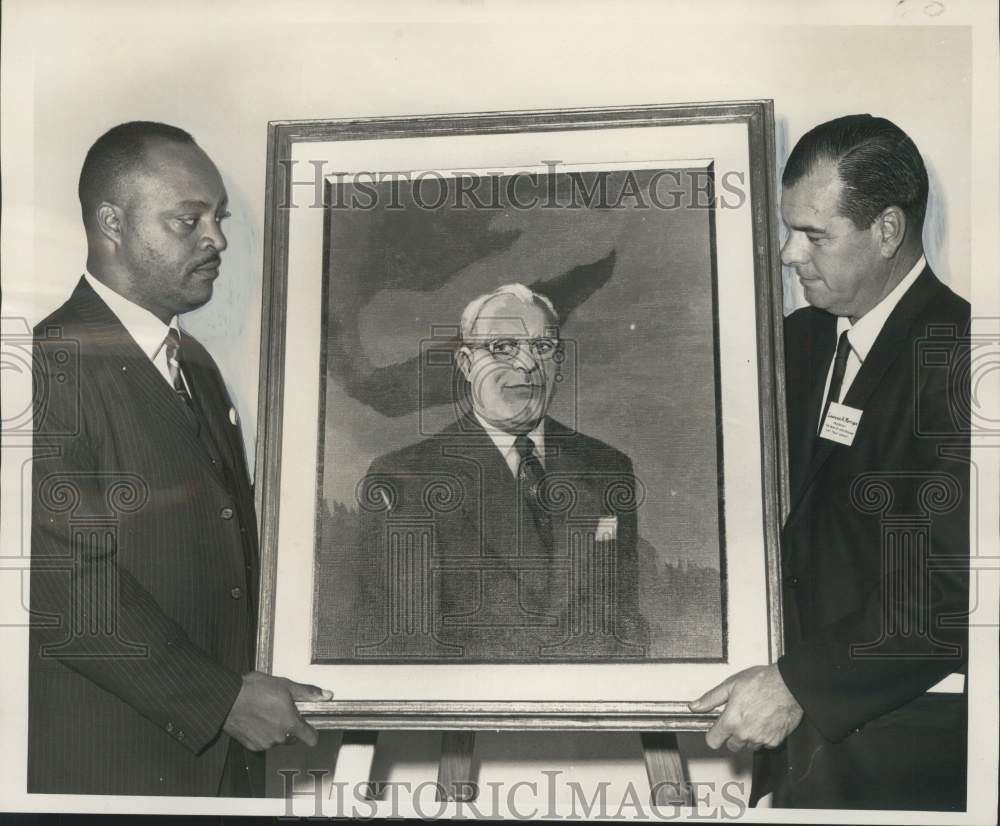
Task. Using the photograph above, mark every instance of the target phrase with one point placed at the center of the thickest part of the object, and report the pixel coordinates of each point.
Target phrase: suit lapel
(560, 459)
(566, 461)
(498, 523)
(136, 370)
(806, 428)
(211, 406)
(890, 343)
(494, 506)
(895, 336)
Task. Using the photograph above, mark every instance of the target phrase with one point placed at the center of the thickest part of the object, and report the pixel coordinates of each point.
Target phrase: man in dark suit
(523, 531)
(144, 545)
(866, 708)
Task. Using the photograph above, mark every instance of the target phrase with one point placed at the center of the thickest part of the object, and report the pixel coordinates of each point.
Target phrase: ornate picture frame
(651, 231)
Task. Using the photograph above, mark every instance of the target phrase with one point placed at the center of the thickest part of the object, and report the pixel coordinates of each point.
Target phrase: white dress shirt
(505, 443)
(862, 334)
(145, 328)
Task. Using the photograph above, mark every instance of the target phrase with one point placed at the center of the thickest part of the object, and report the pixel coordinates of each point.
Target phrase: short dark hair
(115, 154)
(877, 162)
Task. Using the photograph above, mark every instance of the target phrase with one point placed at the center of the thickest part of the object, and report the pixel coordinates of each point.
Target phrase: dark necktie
(837, 379)
(172, 343)
(529, 477)
(173, 346)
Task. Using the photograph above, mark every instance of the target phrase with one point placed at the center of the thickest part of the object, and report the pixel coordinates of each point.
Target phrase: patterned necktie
(839, 368)
(172, 343)
(529, 477)
(173, 346)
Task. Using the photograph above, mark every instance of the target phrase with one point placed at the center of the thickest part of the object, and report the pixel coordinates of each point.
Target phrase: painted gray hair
(524, 294)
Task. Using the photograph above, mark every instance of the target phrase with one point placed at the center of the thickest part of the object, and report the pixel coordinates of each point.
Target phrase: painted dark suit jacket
(874, 561)
(144, 565)
(445, 518)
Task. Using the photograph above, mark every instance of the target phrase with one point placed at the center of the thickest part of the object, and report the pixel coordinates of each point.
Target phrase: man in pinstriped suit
(144, 546)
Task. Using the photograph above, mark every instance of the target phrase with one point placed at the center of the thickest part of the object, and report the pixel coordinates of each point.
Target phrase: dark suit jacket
(874, 561)
(492, 589)
(144, 565)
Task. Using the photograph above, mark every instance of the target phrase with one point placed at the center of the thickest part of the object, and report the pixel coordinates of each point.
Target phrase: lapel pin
(233, 418)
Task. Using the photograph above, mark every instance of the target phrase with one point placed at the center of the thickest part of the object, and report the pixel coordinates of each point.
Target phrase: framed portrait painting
(520, 459)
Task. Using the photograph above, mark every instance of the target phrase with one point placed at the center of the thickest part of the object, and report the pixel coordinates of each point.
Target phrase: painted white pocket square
(607, 529)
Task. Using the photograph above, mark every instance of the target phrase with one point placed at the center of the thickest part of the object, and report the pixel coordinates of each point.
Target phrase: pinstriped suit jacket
(144, 565)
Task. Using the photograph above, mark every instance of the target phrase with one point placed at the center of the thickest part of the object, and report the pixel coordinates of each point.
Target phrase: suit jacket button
(236, 593)
(226, 513)
(791, 581)
(170, 728)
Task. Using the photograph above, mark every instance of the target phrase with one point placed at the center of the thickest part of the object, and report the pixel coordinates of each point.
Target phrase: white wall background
(222, 70)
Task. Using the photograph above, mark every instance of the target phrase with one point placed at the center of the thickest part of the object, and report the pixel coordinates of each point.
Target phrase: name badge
(841, 423)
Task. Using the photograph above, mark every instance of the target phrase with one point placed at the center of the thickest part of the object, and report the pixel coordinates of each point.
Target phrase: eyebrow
(201, 204)
(807, 228)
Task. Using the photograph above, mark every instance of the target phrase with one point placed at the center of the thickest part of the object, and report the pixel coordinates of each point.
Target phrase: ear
(464, 359)
(110, 221)
(890, 227)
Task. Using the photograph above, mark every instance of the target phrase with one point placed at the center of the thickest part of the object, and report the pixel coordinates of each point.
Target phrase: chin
(198, 299)
(526, 418)
(817, 297)
(509, 420)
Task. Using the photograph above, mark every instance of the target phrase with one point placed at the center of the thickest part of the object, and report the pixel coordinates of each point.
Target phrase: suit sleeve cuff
(793, 673)
(195, 716)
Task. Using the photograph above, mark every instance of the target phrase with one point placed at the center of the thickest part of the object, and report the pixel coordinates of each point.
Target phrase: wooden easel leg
(455, 771)
(665, 770)
(354, 760)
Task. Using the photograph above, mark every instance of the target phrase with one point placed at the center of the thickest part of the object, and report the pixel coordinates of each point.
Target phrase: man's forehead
(508, 316)
(180, 173)
(814, 197)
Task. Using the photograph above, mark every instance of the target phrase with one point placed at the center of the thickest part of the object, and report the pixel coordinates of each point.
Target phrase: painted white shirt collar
(504, 442)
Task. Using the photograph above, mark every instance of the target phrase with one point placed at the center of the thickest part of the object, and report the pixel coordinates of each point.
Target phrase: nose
(525, 360)
(214, 237)
(793, 251)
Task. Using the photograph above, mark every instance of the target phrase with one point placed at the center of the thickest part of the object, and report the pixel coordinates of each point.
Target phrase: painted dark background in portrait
(634, 284)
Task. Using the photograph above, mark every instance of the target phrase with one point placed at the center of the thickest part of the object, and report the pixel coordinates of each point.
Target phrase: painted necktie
(530, 474)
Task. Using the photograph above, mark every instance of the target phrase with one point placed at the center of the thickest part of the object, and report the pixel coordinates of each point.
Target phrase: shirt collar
(505, 441)
(147, 330)
(865, 330)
